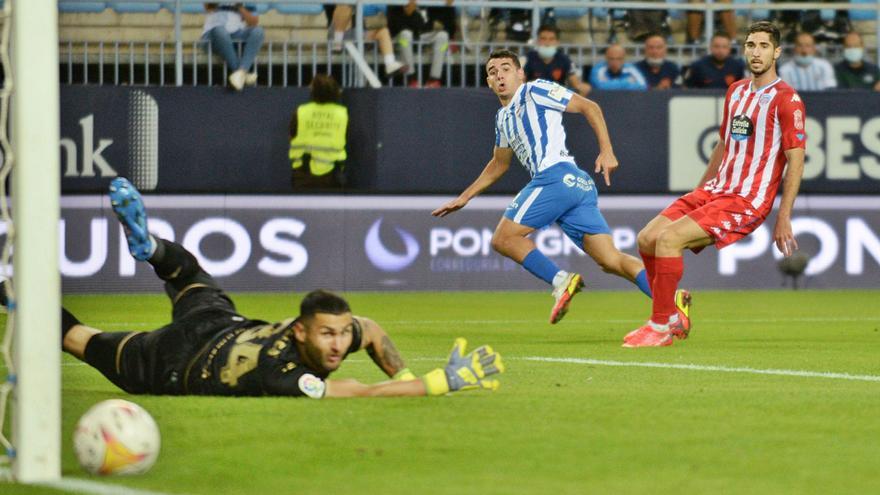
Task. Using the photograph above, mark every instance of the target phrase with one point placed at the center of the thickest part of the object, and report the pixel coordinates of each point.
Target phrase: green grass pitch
(552, 427)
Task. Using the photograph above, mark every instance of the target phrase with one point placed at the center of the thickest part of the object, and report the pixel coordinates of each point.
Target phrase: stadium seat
(570, 13)
(676, 14)
(374, 9)
(258, 8)
(185, 8)
(863, 15)
(752, 15)
(298, 8)
(81, 7)
(135, 7)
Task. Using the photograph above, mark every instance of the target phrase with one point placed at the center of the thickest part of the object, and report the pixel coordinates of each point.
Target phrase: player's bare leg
(76, 338)
(671, 307)
(510, 240)
(602, 250)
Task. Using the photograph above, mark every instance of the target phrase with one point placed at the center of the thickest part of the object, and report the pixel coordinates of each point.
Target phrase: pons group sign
(279, 243)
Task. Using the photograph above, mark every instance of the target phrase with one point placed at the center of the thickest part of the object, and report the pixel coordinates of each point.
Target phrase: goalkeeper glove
(465, 371)
(404, 375)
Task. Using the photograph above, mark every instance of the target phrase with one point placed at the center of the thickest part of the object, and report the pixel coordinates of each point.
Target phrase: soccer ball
(116, 437)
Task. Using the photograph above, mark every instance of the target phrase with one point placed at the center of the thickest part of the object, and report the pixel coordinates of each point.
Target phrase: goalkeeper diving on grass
(211, 349)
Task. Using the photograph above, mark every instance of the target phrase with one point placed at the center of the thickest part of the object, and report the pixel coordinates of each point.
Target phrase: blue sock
(540, 266)
(642, 282)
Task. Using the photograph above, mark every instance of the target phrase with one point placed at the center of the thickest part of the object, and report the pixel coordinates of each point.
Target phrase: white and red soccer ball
(116, 437)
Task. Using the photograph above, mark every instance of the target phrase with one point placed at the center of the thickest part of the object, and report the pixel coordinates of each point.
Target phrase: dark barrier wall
(271, 242)
(181, 140)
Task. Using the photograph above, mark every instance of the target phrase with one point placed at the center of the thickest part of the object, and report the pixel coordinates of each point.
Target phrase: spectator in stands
(616, 73)
(225, 23)
(659, 72)
(317, 137)
(548, 62)
(854, 72)
(695, 22)
(806, 72)
(408, 23)
(719, 69)
(341, 24)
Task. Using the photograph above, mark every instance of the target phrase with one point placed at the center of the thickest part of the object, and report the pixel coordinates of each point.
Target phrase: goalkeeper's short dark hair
(322, 301)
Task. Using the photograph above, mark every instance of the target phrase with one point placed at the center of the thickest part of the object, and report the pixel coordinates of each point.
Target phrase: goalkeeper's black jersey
(252, 357)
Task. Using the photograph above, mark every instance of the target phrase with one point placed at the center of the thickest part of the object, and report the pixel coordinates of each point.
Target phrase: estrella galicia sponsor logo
(741, 128)
(383, 258)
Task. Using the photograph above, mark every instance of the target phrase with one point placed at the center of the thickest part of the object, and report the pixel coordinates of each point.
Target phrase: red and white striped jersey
(758, 126)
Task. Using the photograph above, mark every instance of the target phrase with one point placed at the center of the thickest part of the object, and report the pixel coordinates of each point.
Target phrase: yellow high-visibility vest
(320, 132)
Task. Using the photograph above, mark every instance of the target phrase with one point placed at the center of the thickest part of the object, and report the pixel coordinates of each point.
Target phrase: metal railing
(283, 64)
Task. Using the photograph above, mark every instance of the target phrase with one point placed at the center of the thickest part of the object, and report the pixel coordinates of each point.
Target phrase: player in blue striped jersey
(529, 124)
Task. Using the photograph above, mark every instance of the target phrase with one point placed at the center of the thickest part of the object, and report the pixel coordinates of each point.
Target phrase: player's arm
(462, 372)
(714, 163)
(606, 162)
(382, 350)
(497, 166)
(782, 233)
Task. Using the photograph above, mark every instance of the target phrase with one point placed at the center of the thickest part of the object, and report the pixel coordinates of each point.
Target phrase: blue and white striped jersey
(531, 124)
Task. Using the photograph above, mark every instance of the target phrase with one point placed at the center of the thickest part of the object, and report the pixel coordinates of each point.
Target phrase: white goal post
(36, 414)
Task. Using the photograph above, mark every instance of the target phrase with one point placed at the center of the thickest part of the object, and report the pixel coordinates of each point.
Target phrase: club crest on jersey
(557, 93)
(741, 128)
(798, 120)
(765, 99)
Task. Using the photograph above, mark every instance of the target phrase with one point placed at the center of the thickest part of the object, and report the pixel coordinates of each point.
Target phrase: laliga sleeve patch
(798, 120)
(312, 386)
(557, 93)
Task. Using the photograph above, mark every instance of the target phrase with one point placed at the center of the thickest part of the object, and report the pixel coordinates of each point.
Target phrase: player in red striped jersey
(762, 137)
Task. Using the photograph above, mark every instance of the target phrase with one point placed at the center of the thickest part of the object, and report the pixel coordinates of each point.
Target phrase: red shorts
(727, 218)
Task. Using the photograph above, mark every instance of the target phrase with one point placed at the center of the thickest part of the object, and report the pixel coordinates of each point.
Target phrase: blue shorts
(563, 194)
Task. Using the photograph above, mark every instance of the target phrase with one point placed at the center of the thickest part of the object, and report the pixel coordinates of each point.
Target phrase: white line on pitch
(698, 367)
(612, 320)
(77, 485)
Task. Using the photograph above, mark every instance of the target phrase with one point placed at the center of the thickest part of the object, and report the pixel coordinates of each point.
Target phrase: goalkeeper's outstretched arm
(382, 350)
(462, 372)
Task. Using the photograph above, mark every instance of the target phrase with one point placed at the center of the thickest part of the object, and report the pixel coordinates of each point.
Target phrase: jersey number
(244, 355)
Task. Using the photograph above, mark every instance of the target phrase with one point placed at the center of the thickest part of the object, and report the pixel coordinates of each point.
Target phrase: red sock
(648, 259)
(668, 273)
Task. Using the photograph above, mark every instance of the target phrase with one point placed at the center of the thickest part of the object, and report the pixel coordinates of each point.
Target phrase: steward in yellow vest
(317, 130)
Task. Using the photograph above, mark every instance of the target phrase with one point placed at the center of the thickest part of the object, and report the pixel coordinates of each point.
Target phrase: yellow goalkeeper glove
(404, 375)
(465, 371)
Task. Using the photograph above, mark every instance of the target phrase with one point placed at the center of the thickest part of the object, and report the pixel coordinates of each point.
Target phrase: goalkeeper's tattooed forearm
(391, 356)
(386, 356)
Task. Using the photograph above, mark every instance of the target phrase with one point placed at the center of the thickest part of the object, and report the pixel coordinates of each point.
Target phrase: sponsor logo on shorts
(312, 386)
(726, 225)
(571, 180)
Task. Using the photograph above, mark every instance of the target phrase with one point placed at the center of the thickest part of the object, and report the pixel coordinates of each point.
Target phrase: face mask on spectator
(854, 54)
(803, 60)
(546, 51)
(654, 62)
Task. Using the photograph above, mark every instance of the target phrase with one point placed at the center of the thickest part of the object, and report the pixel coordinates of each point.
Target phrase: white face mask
(803, 60)
(546, 52)
(654, 62)
(855, 54)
